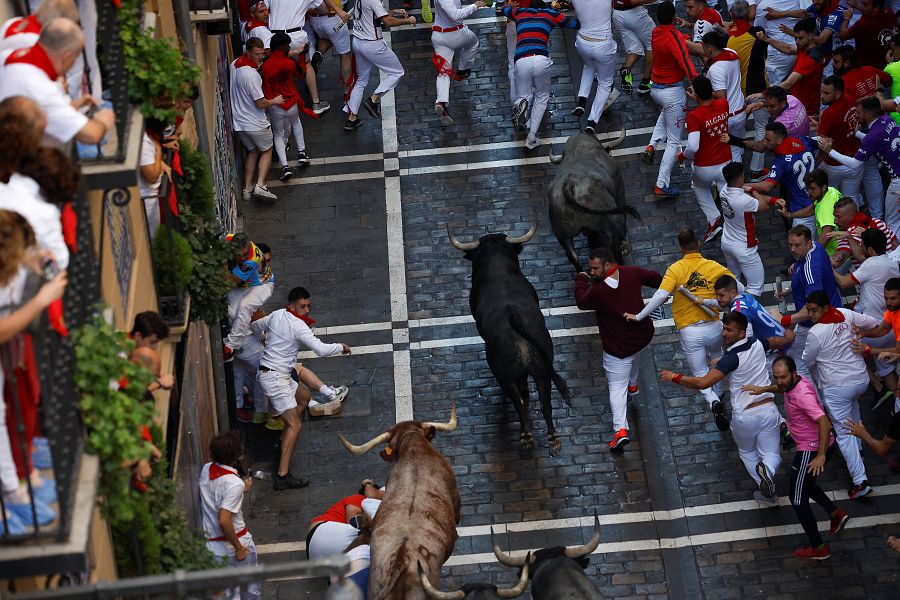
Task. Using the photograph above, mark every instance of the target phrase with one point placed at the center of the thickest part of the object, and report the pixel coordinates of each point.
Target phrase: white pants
(280, 390)
(841, 404)
(151, 208)
(511, 58)
(283, 122)
(737, 127)
(760, 120)
(845, 179)
(871, 181)
(892, 205)
(620, 373)
(242, 303)
(801, 334)
(373, 54)
(249, 591)
(323, 27)
(9, 479)
(701, 181)
(757, 433)
(697, 342)
(636, 27)
(747, 261)
(778, 66)
(246, 366)
(533, 84)
(599, 60)
(445, 45)
(885, 342)
(87, 11)
(331, 538)
(671, 101)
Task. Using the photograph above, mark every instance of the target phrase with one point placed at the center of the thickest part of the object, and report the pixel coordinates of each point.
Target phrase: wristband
(786, 320)
(676, 379)
(773, 200)
(868, 351)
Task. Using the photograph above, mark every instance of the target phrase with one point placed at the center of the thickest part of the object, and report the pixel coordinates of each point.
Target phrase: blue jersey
(794, 158)
(764, 325)
(828, 20)
(813, 272)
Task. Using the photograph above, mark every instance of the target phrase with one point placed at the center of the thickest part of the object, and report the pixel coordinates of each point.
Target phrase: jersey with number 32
(794, 158)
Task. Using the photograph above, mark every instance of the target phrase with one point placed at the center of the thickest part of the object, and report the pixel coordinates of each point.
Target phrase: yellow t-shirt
(698, 275)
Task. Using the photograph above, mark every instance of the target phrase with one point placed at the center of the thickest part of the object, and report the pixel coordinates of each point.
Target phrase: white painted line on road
(326, 178)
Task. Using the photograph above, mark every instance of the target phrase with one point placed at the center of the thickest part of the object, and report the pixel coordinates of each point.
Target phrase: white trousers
(801, 334)
(331, 538)
(373, 54)
(698, 342)
(892, 205)
(778, 65)
(246, 366)
(871, 181)
(87, 11)
(747, 261)
(620, 373)
(701, 181)
(283, 122)
(533, 84)
(445, 45)
(841, 404)
(760, 120)
(242, 303)
(599, 60)
(323, 28)
(845, 179)
(280, 390)
(757, 433)
(511, 58)
(636, 28)
(250, 591)
(885, 342)
(671, 101)
(9, 479)
(737, 127)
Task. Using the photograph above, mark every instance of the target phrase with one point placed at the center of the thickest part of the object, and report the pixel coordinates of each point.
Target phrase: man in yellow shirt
(701, 334)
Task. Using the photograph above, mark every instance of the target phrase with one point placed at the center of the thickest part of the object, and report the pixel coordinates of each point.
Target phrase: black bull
(508, 317)
(587, 196)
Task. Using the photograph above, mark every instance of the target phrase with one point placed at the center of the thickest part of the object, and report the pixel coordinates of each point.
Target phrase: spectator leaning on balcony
(152, 169)
(23, 32)
(34, 72)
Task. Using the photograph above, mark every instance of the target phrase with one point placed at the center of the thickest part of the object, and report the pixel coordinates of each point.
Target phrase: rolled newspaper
(340, 24)
(779, 290)
(690, 296)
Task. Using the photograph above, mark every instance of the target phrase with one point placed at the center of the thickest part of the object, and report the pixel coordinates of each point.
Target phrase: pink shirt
(802, 409)
(794, 118)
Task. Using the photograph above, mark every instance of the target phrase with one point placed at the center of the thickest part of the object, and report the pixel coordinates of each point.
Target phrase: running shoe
(374, 108)
(633, 390)
(320, 107)
(627, 84)
(620, 440)
(719, 411)
(823, 552)
(666, 192)
(352, 124)
(519, 112)
(427, 15)
(766, 485)
(244, 415)
(302, 158)
(275, 424)
(444, 113)
(316, 60)
(532, 141)
(787, 440)
(288, 482)
(589, 128)
(767, 501)
(644, 87)
(228, 353)
(647, 155)
(579, 108)
(261, 191)
(246, 194)
(286, 173)
(886, 395)
(839, 520)
(714, 231)
(260, 417)
(859, 491)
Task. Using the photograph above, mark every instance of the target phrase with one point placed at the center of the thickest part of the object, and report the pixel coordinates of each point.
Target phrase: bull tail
(562, 388)
(520, 328)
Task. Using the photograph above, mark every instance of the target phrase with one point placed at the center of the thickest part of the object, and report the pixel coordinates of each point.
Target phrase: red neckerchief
(611, 271)
(739, 27)
(23, 25)
(832, 315)
(253, 24)
(35, 56)
(861, 219)
(726, 54)
(789, 145)
(832, 6)
(710, 15)
(216, 470)
(244, 61)
(309, 321)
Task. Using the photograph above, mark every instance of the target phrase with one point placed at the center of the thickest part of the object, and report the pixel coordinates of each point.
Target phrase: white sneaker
(261, 191)
(340, 392)
(532, 142)
(329, 409)
(247, 194)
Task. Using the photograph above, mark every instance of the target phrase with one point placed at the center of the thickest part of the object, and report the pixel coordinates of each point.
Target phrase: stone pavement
(364, 229)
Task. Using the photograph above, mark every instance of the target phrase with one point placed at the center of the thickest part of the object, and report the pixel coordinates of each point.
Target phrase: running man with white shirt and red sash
(449, 34)
(725, 74)
(597, 48)
(634, 24)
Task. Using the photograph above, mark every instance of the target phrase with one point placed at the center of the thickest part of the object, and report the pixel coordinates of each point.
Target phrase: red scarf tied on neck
(35, 56)
(309, 321)
(245, 61)
(724, 55)
(832, 315)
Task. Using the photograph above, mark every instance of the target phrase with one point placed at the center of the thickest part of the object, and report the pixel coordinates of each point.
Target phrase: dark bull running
(509, 319)
(587, 196)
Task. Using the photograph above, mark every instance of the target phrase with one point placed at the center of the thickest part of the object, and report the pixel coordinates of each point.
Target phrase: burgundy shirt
(621, 338)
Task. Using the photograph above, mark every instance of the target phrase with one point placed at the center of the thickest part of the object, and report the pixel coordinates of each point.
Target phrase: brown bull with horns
(417, 519)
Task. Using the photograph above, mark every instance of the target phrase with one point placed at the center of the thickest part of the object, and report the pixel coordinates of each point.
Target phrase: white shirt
(289, 14)
(772, 25)
(23, 195)
(870, 278)
(828, 345)
(246, 89)
(367, 19)
(595, 17)
(260, 31)
(745, 364)
(63, 121)
(738, 210)
(285, 336)
(225, 492)
(16, 41)
(450, 13)
(149, 189)
(726, 75)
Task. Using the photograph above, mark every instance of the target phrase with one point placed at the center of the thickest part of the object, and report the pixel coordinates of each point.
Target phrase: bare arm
(712, 377)
(16, 322)
(227, 525)
(94, 130)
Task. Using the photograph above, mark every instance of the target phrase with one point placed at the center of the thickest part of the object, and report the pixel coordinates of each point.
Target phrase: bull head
(558, 158)
(512, 592)
(386, 436)
(467, 246)
(571, 551)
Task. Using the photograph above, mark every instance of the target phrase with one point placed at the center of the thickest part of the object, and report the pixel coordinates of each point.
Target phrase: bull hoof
(527, 440)
(555, 445)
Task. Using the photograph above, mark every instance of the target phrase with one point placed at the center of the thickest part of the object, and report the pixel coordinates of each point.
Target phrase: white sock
(327, 390)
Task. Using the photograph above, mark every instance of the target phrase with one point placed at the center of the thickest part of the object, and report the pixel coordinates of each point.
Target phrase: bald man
(149, 359)
(23, 32)
(34, 72)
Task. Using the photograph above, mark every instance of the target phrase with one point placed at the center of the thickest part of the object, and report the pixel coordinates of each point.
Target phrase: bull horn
(579, 551)
(438, 594)
(519, 588)
(555, 158)
(616, 142)
(367, 446)
(449, 425)
(462, 246)
(524, 238)
(505, 559)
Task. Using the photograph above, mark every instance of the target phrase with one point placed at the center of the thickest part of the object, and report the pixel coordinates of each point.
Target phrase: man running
(725, 74)
(449, 34)
(598, 49)
(634, 24)
(890, 323)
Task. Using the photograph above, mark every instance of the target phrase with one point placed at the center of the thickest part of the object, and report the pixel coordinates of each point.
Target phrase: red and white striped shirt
(860, 223)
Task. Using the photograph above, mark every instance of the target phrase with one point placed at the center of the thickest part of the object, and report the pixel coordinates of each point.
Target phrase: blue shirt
(813, 272)
(830, 21)
(764, 325)
(794, 158)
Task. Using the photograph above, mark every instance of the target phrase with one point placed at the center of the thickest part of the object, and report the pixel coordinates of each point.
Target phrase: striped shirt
(860, 223)
(533, 27)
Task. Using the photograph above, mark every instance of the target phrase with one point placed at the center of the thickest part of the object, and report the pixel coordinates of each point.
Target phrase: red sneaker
(633, 390)
(228, 354)
(823, 552)
(619, 440)
(244, 415)
(839, 519)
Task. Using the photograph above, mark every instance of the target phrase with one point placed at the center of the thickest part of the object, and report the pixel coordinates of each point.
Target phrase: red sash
(35, 56)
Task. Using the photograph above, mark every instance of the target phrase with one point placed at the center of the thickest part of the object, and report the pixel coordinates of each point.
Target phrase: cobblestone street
(363, 228)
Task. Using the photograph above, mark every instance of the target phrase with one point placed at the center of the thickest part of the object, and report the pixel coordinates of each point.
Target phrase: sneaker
(719, 411)
(579, 108)
(261, 191)
(532, 141)
(427, 15)
(647, 155)
(644, 87)
(620, 440)
(259, 418)
(351, 124)
(244, 415)
(757, 176)
(767, 501)
(373, 108)
(886, 395)
(327, 409)
(275, 424)
(316, 60)
(766, 485)
(859, 491)
(228, 354)
(839, 520)
(286, 174)
(247, 194)
(464, 73)
(589, 128)
(666, 192)
(519, 112)
(340, 393)
(823, 552)
(444, 113)
(633, 390)
(787, 440)
(627, 78)
(320, 107)
(288, 482)
(714, 231)
(302, 158)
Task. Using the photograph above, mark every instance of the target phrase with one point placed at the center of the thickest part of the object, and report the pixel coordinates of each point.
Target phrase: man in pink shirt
(811, 429)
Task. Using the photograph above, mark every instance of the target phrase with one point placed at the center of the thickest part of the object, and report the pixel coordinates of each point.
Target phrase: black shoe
(589, 128)
(519, 111)
(374, 108)
(766, 485)
(286, 174)
(719, 411)
(627, 81)
(350, 125)
(579, 108)
(464, 73)
(644, 87)
(787, 440)
(303, 158)
(288, 482)
(316, 60)
(858, 491)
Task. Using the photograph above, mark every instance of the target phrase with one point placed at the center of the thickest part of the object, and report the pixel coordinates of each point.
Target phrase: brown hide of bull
(417, 517)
